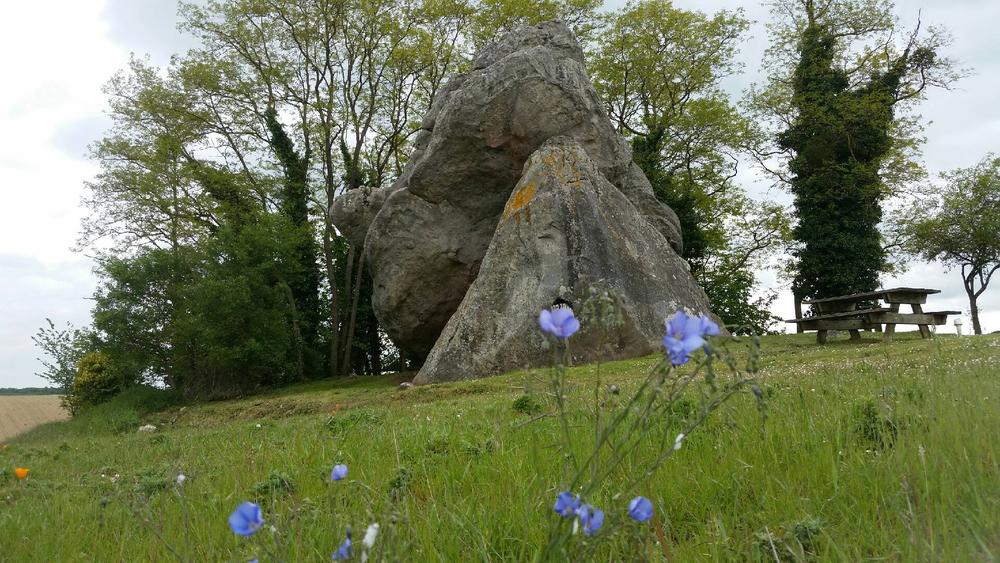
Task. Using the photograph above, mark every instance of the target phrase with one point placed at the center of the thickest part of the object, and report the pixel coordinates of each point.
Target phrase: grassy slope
(480, 485)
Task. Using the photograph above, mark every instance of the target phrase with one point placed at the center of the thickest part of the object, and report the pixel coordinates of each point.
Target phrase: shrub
(527, 404)
(874, 426)
(795, 541)
(276, 484)
(96, 381)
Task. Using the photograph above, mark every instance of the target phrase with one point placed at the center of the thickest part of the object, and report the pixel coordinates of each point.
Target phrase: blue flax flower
(339, 472)
(246, 519)
(344, 551)
(640, 509)
(566, 504)
(559, 323)
(685, 334)
(591, 519)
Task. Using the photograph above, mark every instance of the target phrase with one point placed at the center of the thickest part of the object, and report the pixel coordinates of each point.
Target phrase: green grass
(868, 452)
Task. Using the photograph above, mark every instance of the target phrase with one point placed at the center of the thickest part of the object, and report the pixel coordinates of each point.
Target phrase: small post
(798, 312)
(958, 326)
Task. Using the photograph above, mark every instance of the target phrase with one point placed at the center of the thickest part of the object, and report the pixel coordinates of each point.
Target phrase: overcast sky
(55, 55)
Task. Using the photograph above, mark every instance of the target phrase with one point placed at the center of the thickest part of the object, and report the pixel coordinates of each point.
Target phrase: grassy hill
(868, 451)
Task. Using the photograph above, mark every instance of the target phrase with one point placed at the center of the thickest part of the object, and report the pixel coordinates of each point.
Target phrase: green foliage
(300, 272)
(874, 424)
(732, 299)
(399, 484)
(959, 224)
(527, 404)
(491, 19)
(838, 110)
(210, 320)
(64, 348)
(658, 69)
(795, 541)
(276, 484)
(150, 482)
(839, 138)
(96, 381)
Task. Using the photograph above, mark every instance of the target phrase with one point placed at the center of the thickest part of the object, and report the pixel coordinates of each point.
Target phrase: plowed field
(19, 413)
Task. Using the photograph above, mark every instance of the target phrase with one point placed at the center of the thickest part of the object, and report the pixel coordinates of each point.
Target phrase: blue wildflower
(640, 509)
(559, 323)
(246, 519)
(566, 504)
(344, 551)
(590, 518)
(339, 472)
(685, 334)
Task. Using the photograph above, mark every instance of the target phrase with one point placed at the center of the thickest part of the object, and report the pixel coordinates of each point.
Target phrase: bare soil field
(20, 413)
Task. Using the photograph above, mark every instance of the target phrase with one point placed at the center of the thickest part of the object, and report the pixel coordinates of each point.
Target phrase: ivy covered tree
(838, 95)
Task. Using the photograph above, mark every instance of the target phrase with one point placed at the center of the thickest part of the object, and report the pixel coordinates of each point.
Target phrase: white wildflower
(180, 479)
(678, 441)
(370, 535)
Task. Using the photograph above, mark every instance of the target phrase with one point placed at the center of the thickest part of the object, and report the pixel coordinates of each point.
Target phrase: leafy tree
(488, 20)
(63, 347)
(353, 76)
(960, 226)
(301, 274)
(658, 69)
(213, 320)
(837, 102)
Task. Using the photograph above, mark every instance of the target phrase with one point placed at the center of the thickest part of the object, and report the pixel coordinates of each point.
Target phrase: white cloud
(51, 108)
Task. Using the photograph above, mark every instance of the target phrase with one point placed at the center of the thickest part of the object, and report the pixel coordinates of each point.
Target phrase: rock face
(426, 235)
(564, 224)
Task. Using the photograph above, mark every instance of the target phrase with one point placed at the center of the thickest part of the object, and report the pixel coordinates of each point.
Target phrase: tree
(63, 348)
(959, 225)
(658, 69)
(837, 100)
(347, 75)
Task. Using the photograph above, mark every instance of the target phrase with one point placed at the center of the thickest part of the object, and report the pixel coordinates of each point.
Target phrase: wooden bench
(862, 311)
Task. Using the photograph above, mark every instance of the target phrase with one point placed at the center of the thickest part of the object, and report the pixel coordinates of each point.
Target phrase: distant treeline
(30, 391)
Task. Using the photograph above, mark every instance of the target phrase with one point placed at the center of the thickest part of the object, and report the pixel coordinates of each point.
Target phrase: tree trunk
(374, 344)
(345, 344)
(356, 292)
(974, 311)
(798, 312)
(333, 367)
(296, 333)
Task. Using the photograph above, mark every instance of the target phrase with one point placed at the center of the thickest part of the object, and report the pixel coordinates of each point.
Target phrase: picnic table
(871, 310)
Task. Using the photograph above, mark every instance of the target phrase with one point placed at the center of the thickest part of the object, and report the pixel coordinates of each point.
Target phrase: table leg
(878, 328)
(924, 331)
(889, 330)
(855, 335)
(820, 337)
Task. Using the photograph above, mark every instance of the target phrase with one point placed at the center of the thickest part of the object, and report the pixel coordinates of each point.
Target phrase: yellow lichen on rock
(519, 200)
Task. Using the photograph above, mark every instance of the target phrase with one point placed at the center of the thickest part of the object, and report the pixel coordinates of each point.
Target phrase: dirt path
(19, 413)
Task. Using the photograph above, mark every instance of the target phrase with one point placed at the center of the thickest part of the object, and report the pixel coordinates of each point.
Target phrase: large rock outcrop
(427, 234)
(564, 224)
